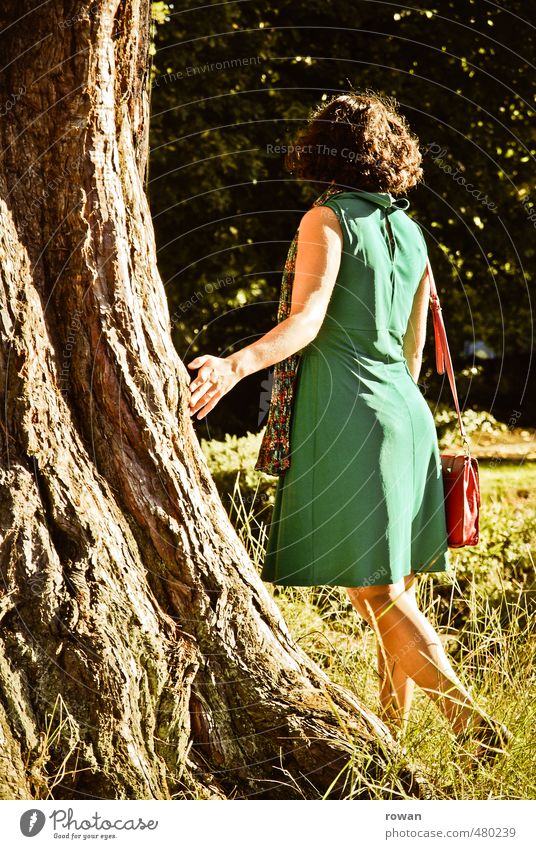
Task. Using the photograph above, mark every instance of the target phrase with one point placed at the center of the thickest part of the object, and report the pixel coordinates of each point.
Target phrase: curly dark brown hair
(359, 141)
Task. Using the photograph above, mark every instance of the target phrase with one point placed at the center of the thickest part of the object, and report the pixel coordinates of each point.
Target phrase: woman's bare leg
(411, 642)
(396, 687)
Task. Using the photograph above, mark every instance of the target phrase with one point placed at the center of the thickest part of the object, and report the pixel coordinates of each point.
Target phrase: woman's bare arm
(317, 265)
(415, 335)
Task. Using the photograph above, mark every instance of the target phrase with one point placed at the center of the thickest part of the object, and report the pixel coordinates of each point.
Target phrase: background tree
(232, 82)
(141, 656)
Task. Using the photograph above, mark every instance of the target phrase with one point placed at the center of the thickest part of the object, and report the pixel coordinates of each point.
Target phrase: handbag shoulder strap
(443, 358)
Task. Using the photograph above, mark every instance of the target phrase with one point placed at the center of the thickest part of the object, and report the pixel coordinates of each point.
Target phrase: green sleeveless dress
(362, 502)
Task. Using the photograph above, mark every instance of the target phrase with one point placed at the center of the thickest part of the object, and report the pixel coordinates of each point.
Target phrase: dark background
(230, 80)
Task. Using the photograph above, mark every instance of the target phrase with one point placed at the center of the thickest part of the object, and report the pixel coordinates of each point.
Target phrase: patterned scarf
(274, 454)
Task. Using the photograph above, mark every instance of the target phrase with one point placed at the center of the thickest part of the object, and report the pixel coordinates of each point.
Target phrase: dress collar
(385, 199)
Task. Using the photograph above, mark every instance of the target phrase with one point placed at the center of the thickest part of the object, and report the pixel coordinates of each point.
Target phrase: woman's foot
(492, 737)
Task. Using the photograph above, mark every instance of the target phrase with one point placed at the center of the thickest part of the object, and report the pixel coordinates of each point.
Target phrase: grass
(495, 660)
(483, 611)
(506, 481)
(60, 728)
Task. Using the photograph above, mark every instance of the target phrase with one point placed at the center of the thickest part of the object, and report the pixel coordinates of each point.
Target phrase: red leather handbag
(460, 471)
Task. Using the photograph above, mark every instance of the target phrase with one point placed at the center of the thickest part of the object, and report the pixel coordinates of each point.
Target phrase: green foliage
(232, 459)
(474, 421)
(502, 564)
(492, 651)
(160, 12)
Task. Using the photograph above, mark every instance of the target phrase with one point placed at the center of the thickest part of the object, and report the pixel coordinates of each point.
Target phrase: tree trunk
(142, 656)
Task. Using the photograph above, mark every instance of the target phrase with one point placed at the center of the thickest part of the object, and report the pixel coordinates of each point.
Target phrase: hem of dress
(426, 568)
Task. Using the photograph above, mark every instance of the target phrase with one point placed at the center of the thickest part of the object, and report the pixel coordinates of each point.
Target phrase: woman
(361, 505)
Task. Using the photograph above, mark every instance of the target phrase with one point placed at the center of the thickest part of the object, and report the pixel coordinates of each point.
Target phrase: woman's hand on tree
(216, 377)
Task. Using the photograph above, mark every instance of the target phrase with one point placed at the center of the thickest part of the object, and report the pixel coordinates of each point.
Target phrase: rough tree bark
(141, 655)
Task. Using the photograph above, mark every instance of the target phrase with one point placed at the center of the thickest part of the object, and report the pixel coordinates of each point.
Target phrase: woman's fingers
(198, 361)
(210, 406)
(204, 365)
(203, 378)
(214, 379)
(198, 390)
(206, 403)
